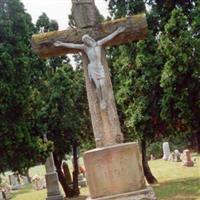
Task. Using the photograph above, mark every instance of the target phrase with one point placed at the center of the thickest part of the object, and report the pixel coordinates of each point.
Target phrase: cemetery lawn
(175, 182)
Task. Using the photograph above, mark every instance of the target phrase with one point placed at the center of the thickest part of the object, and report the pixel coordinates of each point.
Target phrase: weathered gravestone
(67, 173)
(171, 157)
(82, 180)
(114, 170)
(177, 155)
(166, 151)
(2, 195)
(5, 192)
(14, 181)
(52, 184)
(186, 159)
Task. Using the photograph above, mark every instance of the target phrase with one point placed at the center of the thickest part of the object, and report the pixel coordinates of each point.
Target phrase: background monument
(52, 183)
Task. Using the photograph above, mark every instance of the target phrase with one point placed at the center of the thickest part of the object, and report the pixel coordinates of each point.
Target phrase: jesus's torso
(94, 55)
(95, 67)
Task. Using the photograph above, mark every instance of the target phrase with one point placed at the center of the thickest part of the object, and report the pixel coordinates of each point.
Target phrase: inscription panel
(114, 170)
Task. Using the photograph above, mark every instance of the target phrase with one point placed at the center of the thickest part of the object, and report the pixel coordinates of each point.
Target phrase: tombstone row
(176, 156)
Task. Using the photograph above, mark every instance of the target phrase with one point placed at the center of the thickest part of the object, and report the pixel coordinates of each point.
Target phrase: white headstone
(166, 151)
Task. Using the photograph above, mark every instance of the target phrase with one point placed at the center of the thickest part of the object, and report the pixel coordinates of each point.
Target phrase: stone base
(53, 190)
(188, 163)
(57, 197)
(114, 170)
(145, 194)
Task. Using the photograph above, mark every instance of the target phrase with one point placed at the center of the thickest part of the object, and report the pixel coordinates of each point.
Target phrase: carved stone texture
(108, 173)
(105, 125)
(85, 13)
(136, 29)
(49, 165)
(186, 159)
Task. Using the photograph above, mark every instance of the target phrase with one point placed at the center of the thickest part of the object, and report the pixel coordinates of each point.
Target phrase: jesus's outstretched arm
(111, 36)
(69, 45)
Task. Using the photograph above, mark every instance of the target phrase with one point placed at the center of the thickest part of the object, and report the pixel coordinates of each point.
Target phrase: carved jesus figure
(96, 72)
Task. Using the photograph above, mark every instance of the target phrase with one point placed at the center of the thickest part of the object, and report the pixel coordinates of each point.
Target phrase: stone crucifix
(90, 38)
(96, 72)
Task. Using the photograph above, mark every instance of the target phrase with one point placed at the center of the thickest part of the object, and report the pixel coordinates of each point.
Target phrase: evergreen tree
(180, 76)
(161, 11)
(17, 66)
(119, 8)
(43, 23)
(64, 113)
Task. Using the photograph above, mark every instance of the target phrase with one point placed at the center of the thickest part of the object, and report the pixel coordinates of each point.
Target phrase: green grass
(28, 193)
(175, 182)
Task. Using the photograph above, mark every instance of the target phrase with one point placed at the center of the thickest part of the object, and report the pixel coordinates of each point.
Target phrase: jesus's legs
(101, 96)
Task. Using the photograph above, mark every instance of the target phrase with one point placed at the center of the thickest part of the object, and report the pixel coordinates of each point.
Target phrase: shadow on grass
(26, 189)
(81, 197)
(179, 189)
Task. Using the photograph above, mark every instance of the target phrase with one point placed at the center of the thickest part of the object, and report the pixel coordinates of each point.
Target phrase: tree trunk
(147, 171)
(76, 190)
(198, 142)
(194, 141)
(28, 175)
(58, 162)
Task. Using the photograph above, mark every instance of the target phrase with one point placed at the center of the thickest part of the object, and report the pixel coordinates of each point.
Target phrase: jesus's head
(88, 41)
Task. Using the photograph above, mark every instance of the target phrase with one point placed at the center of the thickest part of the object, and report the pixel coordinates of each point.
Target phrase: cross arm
(111, 36)
(135, 29)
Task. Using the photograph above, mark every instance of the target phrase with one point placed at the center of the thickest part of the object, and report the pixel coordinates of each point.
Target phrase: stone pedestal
(145, 194)
(115, 172)
(53, 191)
(57, 197)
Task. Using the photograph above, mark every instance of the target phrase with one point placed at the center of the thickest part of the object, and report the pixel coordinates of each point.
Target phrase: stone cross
(105, 121)
(106, 168)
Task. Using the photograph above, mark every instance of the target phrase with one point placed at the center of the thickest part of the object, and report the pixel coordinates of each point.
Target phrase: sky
(57, 9)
